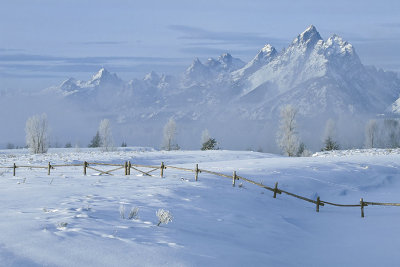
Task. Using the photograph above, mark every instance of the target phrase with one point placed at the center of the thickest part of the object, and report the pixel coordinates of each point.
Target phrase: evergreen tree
(68, 145)
(210, 144)
(329, 136)
(96, 141)
(330, 144)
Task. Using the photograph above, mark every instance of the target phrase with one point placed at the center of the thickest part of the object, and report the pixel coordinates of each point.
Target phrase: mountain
(266, 54)
(321, 78)
(318, 77)
(212, 71)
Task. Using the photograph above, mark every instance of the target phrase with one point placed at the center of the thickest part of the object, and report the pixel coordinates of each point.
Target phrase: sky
(43, 42)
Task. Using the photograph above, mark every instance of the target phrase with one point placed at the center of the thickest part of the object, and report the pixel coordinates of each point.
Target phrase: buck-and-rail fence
(128, 166)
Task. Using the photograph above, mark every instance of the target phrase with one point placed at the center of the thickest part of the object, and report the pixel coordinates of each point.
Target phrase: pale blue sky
(43, 42)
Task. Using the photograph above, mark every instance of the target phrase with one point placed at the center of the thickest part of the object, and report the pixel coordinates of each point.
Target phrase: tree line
(37, 137)
(378, 134)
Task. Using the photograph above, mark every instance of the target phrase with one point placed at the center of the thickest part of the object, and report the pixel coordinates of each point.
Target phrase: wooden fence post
(129, 167)
(233, 178)
(14, 167)
(126, 167)
(275, 189)
(196, 172)
(48, 169)
(162, 170)
(362, 207)
(84, 167)
(318, 203)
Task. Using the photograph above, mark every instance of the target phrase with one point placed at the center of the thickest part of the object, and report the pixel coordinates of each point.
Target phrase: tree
(106, 140)
(287, 138)
(96, 142)
(68, 145)
(210, 144)
(330, 144)
(205, 136)
(303, 151)
(10, 146)
(329, 136)
(169, 142)
(123, 144)
(391, 133)
(371, 131)
(36, 130)
(207, 143)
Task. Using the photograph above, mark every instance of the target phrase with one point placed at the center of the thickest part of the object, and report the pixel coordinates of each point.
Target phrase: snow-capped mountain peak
(103, 76)
(230, 63)
(69, 85)
(264, 56)
(336, 44)
(307, 38)
(268, 50)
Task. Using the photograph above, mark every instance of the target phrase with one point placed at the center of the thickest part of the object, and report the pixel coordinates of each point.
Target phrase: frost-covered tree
(36, 130)
(169, 135)
(287, 138)
(391, 133)
(371, 132)
(330, 136)
(106, 140)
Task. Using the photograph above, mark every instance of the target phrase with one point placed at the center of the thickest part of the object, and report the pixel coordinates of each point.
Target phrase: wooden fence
(128, 166)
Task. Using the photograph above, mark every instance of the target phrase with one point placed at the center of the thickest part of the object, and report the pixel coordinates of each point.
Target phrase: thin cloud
(101, 43)
(46, 58)
(223, 37)
(2, 49)
(391, 25)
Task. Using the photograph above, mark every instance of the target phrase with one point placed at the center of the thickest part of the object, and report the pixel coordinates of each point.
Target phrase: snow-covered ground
(67, 219)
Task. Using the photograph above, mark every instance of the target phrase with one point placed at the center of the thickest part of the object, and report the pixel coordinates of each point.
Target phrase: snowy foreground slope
(67, 219)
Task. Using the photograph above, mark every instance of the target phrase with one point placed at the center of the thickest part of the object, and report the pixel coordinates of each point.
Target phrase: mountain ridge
(321, 78)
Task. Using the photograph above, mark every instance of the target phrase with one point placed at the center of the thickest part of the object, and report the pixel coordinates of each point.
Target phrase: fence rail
(128, 166)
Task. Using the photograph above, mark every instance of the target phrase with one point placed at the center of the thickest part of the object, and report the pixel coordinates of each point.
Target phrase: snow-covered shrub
(122, 211)
(62, 225)
(164, 216)
(133, 214)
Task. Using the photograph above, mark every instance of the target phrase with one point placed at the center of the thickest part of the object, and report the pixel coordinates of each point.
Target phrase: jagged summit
(336, 44)
(268, 49)
(101, 73)
(264, 56)
(309, 37)
(104, 77)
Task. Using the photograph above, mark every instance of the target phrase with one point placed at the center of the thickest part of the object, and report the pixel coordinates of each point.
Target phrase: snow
(67, 219)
